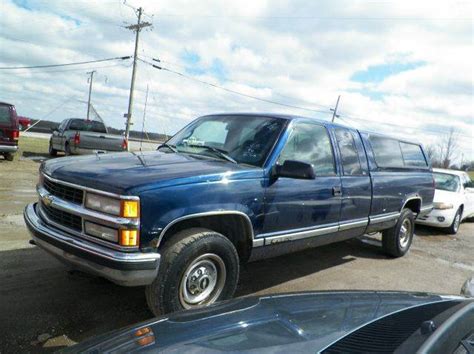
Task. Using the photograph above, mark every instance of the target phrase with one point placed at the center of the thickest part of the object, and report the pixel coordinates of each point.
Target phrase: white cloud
(297, 52)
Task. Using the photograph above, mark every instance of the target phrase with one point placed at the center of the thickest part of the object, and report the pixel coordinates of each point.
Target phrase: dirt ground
(43, 307)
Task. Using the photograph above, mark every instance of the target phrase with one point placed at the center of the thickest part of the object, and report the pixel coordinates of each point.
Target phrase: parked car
(319, 322)
(9, 131)
(24, 122)
(453, 200)
(224, 190)
(77, 136)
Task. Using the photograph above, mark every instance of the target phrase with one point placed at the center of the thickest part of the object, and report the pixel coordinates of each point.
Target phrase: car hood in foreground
(128, 172)
(304, 322)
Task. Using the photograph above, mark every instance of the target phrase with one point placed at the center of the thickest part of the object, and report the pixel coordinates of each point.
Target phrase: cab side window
(310, 143)
(349, 155)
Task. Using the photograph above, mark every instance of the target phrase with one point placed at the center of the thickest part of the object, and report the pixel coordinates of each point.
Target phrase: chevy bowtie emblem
(47, 200)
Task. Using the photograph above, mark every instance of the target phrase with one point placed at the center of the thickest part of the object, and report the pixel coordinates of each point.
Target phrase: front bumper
(432, 218)
(8, 148)
(123, 268)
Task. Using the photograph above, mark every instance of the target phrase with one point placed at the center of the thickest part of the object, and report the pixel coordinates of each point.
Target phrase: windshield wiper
(171, 147)
(221, 153)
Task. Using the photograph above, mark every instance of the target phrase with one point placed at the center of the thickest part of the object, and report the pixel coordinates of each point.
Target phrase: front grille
(63, 218)
(64, 192)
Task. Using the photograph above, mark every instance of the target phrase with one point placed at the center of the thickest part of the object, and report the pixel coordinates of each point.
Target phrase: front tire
(454, 228)
(397, 240)
(198, 267)
(52, 152)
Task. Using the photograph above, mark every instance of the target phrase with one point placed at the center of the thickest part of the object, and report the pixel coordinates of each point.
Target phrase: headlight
(124, 208)
(443, 206)
(104, 204)
(102, 232)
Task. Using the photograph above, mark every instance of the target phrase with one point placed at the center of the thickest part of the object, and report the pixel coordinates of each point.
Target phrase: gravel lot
(43, 307)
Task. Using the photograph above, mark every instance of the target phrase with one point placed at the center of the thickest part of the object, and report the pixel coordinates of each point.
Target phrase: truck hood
(285, 323)
(130, 172)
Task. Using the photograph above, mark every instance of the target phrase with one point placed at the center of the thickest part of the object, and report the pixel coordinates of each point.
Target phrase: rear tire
(52, 152)
(198, 267)
(454, 228)
(67, 149)
(9, 156)
(397, 240)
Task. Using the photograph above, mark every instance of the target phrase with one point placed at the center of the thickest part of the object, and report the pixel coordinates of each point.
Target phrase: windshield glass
(246, 139)
(88, 126)
(446, 182)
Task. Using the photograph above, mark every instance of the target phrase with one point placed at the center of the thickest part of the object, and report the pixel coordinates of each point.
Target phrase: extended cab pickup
(78, 136)
(225, 190)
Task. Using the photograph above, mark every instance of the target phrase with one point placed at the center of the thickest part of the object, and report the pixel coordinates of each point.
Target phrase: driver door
(295, 204)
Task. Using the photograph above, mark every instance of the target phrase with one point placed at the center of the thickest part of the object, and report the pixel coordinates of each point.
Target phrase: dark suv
(9, 130)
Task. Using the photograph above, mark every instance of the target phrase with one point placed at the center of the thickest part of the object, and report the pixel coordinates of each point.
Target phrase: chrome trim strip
(383, 217)
(209, 213)
(92, 190)
(87, 214)
(258, 242)
(298, 235)
(353, 224)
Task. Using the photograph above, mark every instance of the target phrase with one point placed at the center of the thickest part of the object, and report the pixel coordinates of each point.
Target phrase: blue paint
(378, 73)
(173, 185)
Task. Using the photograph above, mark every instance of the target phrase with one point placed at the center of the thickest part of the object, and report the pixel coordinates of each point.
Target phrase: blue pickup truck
(226, 189)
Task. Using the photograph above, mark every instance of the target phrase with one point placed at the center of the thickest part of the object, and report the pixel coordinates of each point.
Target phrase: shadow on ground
(38, 295)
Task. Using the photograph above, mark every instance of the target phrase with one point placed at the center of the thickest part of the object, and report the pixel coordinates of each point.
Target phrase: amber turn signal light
(130, 208)
(129, 238)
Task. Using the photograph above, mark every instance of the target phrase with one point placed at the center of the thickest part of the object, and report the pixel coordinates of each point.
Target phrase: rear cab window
(392, 153)
(87, 126)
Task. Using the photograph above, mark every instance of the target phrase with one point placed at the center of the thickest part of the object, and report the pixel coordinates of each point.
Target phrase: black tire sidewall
(166, 286)
(452, 229)
(391, 237)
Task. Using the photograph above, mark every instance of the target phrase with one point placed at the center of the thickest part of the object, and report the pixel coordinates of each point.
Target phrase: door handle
(336, 191)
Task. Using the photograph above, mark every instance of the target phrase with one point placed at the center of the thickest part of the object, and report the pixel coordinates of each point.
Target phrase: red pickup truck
(9, 130)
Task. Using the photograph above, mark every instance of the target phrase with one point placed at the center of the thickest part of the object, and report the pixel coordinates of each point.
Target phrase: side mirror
(54, 130)
(295, 169)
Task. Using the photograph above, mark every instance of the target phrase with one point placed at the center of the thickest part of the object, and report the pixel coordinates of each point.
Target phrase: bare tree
(448, 148)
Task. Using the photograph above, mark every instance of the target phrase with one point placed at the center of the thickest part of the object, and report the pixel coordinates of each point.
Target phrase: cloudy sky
(401, 67)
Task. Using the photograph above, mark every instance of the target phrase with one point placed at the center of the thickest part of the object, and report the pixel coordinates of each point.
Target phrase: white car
(453, 200)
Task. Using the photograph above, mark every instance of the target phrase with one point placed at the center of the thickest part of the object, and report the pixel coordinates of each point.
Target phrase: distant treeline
(46, 126)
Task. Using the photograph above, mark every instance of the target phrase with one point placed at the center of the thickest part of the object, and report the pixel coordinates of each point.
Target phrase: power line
(39, 71)
(66, 64)
(399, 126)
(233, 91)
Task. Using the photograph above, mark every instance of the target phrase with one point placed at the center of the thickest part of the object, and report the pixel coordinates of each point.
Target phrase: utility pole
(334, 110)
(91, 73)
(137, 28)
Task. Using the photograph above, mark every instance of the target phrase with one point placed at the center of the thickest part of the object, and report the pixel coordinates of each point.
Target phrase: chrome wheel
(405, 233)
(203, 281)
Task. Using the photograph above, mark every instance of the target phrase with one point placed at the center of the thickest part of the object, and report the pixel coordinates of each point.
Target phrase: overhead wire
(63, 64)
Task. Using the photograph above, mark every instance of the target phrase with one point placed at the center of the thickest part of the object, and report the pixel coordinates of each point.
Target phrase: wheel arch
(233, 224)
(413, 203)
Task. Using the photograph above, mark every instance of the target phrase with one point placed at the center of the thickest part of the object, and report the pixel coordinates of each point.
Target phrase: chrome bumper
(123, 268)
(8, 148)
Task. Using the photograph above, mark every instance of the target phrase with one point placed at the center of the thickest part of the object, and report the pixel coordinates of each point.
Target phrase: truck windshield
(246, 139)
(87, 125)
(446, 182)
